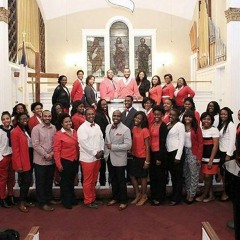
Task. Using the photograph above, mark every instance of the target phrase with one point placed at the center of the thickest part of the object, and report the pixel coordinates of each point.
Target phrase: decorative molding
(4, 13)
(232, 14)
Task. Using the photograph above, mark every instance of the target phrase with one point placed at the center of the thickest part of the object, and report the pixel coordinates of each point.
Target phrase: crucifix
(38, 75)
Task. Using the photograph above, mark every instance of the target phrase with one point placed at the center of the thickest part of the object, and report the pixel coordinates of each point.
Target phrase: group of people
(169, 136)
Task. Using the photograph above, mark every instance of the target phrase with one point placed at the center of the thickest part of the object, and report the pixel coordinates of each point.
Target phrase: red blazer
(167, 91)
(182, 94)
(32, 122)
(20, 156)
(197, 143)
(65, 146)
(77, 91)
(156, 94)
(107, 89)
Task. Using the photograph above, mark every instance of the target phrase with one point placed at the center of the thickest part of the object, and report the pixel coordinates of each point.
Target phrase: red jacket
(167, 92)
(65, 146)
(182, 94)
(20, 150)
(77, 91)
(197, 143)
(32, 122)
(150, 118)
(156, 94)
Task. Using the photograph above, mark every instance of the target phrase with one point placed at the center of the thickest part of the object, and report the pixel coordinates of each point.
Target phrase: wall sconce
(74, 60)
(164, 59)
(129, 4)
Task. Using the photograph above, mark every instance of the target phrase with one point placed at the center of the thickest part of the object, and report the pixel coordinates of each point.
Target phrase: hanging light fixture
(129, 4)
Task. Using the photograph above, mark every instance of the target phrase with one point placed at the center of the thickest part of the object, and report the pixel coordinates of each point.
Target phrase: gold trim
(232, 14)
(4, 13)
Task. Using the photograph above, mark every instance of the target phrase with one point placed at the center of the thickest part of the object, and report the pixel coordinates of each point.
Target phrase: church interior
(194, 39)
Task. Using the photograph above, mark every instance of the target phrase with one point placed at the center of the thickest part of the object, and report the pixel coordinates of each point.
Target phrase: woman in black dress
(143, 84)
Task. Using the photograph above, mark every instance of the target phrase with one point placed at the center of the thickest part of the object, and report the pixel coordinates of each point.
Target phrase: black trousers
(44, 181)
(102, 171)
(24, 180)
(176, 171)
(157, 176)
(118, 182)
(70, 169)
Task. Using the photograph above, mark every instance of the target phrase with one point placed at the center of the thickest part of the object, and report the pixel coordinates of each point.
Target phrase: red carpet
(164, 222)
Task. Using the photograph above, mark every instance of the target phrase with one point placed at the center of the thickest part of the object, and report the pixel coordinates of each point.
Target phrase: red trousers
(7, 176)
(90, 176)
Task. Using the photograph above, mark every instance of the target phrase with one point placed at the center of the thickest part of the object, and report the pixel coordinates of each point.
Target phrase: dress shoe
(47, 208)
(209, 199)
(55, 202)
(137, 199)
(92, 205)
(29, 204)
(172, 203)
(142, 201)
(112, 202)
(23, 208)
(224, 198)
(155, 203)
(98, 202)
(122, 206)
(4, 203)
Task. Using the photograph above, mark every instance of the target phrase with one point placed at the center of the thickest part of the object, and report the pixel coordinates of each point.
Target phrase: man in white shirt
(91, 145)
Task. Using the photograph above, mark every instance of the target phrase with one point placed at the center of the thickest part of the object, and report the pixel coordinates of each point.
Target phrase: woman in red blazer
(182, 91)
(22, 158)
(36, 108)
(168, 89)
(148, 104)
(156, 90)
(66, 151)
(193, 148)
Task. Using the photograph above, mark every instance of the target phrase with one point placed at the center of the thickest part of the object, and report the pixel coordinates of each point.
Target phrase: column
(5, 76)
(233, 55)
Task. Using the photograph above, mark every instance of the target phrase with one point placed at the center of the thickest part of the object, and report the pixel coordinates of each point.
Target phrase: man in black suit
(127, 120)
(128, 113)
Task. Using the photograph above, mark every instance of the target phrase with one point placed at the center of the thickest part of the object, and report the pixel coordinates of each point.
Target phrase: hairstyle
(99, 106)
(80, 71)
(129, 96)
(230, 119)
(206, 114)
(184, 81)
(6, 113)
(14, 113)
(21, 114)
(88, 78)
(138, 78)
(194, 123)
(168, 75)
(33, 105)
(60, 78)
(159, 80)
(144, 123)
(75, 106)
(173, 101)
(189, 99)
(216, 107)
(61, 118)
(146, 99)
(159, 108)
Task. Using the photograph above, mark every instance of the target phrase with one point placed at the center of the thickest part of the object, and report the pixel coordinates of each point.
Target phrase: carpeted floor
(181, 222)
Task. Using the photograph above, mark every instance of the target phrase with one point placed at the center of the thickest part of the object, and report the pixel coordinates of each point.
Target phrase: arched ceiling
(56, 8)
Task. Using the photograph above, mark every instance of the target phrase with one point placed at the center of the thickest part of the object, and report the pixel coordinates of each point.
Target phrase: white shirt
(175, 139)
(4, 145)
(90, 141)
(227, 140)
(126, 81)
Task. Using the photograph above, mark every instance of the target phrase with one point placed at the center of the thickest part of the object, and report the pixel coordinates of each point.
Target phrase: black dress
(144, 87)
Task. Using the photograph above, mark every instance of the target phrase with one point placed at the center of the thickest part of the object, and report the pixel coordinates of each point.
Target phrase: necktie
(126, 110)
(92, 124)
(113, 127)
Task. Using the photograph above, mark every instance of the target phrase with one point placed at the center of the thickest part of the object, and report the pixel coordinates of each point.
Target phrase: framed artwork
(143, 54)
(95, 56)
(119, 48)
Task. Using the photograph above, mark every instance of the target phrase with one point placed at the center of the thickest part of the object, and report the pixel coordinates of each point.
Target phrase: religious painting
(95, 56)
(119, 48)
(143, 54)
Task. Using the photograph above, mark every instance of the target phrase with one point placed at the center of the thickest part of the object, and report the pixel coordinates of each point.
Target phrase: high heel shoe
(4, 203)
(137, 199)
(11, 201)
(142, 201)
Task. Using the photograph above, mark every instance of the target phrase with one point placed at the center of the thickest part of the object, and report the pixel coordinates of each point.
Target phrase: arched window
(119, 47)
